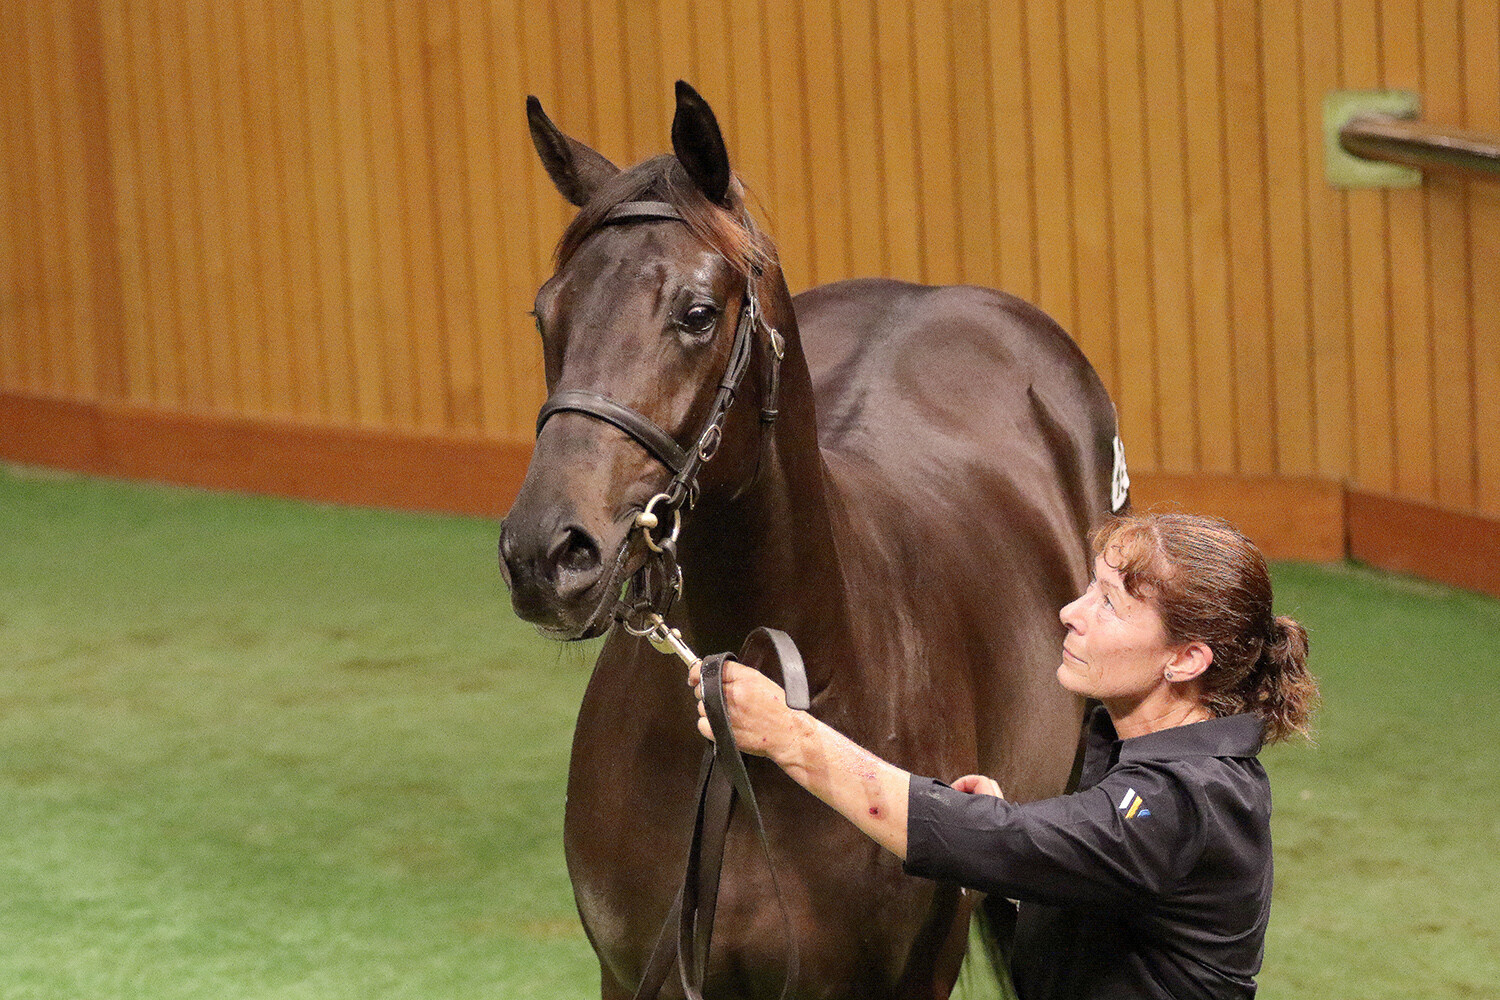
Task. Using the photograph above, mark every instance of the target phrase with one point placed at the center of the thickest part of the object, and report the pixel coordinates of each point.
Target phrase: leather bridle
(653, 589)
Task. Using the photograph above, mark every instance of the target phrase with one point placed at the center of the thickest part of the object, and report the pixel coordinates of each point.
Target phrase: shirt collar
(1230, 736)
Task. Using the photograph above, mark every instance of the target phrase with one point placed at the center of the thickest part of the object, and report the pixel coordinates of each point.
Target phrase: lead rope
(722, 778)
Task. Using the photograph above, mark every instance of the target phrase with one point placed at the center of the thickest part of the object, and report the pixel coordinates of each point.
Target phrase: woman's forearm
(866, 790)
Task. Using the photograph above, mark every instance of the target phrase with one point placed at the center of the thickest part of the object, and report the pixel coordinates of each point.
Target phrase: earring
(1168, 675)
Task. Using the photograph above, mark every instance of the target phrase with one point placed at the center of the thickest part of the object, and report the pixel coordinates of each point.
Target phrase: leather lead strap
(722, 779)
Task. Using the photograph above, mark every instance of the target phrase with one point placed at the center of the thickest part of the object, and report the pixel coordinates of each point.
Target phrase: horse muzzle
(559, 578)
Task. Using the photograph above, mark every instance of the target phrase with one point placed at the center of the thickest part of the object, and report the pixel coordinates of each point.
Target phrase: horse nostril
(574, 551)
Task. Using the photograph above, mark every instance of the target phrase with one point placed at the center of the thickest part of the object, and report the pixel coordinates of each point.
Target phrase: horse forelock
(730, 232)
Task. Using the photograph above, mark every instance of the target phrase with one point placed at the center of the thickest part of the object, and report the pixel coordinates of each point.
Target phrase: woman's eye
(699, 319)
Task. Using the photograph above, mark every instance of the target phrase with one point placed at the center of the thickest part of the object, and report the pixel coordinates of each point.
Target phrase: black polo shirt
(1152, 880)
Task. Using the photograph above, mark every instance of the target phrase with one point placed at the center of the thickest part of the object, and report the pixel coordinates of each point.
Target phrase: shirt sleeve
(1132, 836)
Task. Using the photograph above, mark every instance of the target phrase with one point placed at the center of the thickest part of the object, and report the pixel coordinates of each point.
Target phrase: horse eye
(699, 319)
(537, 317)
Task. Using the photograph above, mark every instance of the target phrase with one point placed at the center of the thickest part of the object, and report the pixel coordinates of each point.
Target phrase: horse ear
(699, 145)
(575, 168)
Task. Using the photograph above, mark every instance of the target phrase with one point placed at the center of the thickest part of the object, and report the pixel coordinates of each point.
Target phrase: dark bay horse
(903, 481)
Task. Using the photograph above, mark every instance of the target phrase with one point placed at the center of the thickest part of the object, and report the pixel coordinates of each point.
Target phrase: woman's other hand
(978, 784)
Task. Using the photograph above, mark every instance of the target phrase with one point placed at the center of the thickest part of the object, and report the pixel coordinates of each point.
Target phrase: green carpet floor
(252, 748)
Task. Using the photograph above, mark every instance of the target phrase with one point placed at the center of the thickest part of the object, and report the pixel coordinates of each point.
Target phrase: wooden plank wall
(327, 212)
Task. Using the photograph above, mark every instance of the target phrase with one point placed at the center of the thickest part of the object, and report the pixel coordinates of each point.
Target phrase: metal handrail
(1413, 143)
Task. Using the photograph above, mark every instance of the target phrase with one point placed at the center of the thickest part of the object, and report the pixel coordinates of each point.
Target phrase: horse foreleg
(938, 951)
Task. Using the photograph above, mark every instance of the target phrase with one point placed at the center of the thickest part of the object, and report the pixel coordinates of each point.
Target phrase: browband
(641, 211)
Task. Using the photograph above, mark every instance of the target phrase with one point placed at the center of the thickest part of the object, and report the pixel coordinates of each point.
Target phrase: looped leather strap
(723, 779)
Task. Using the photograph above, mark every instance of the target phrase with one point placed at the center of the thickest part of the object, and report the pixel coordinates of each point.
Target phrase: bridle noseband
(653, 589)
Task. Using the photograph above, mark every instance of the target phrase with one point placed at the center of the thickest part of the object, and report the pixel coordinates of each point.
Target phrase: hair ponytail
(1283, 693)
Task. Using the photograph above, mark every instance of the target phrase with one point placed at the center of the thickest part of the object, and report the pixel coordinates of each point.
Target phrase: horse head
(650, 327)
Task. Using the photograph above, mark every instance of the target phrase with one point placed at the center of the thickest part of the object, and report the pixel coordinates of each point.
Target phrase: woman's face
(1115, 649)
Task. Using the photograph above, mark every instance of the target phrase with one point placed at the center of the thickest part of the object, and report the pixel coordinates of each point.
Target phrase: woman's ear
(1188, 662)
(699, 145)
(575, 168)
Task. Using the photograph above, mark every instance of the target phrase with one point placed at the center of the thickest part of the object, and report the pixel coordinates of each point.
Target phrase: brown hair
(1209, 584)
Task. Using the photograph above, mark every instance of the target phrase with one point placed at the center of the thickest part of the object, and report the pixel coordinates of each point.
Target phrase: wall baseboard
(1289, 518)
(1422, 539)
(362, 467)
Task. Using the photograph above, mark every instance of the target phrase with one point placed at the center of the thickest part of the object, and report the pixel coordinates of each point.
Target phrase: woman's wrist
(791, 753)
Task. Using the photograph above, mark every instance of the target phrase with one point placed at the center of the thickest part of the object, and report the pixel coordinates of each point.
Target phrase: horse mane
(729, 231)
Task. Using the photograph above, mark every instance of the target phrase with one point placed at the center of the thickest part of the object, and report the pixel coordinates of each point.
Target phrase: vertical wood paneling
(393, 331)
(95, 174)
(329, 235)
(1015, 212)
(973, 158)
(1481, 34)
(452, 219)
(1451, 357)
(1135, 384)
(1168, 262)
(279, 382)
(160, 336)
(931, 62)
(860, 135)
(1050, 174)
(786, 97)
(1327, 248)
(1094, 264)
(1286, 221)
(493, 313)
(12, 59)
(124, 152)
(1369, 297)
(76, 300)
(677, 50)
(181, 169)
(902, 192)
(829, 208)
(212, 232)
(350, 131)
(53, 350)
(330, 213)
(1411, 359)
(646, 104)
(1245, 173)
(233, 264)
(1207, 271)
(414, 127)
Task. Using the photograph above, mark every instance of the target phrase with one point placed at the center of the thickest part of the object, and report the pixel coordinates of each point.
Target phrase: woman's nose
(1069, 614)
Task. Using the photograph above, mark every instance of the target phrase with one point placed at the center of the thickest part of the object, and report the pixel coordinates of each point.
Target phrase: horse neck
(767, 557)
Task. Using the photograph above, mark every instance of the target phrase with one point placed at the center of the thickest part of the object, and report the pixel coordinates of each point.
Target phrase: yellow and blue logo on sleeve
(1132, 805)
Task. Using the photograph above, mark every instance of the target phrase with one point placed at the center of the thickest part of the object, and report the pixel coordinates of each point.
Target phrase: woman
(1154, 879)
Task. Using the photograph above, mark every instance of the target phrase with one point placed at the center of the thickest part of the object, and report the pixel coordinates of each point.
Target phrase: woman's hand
(756, 706)
(869, 792)
(978, 784)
